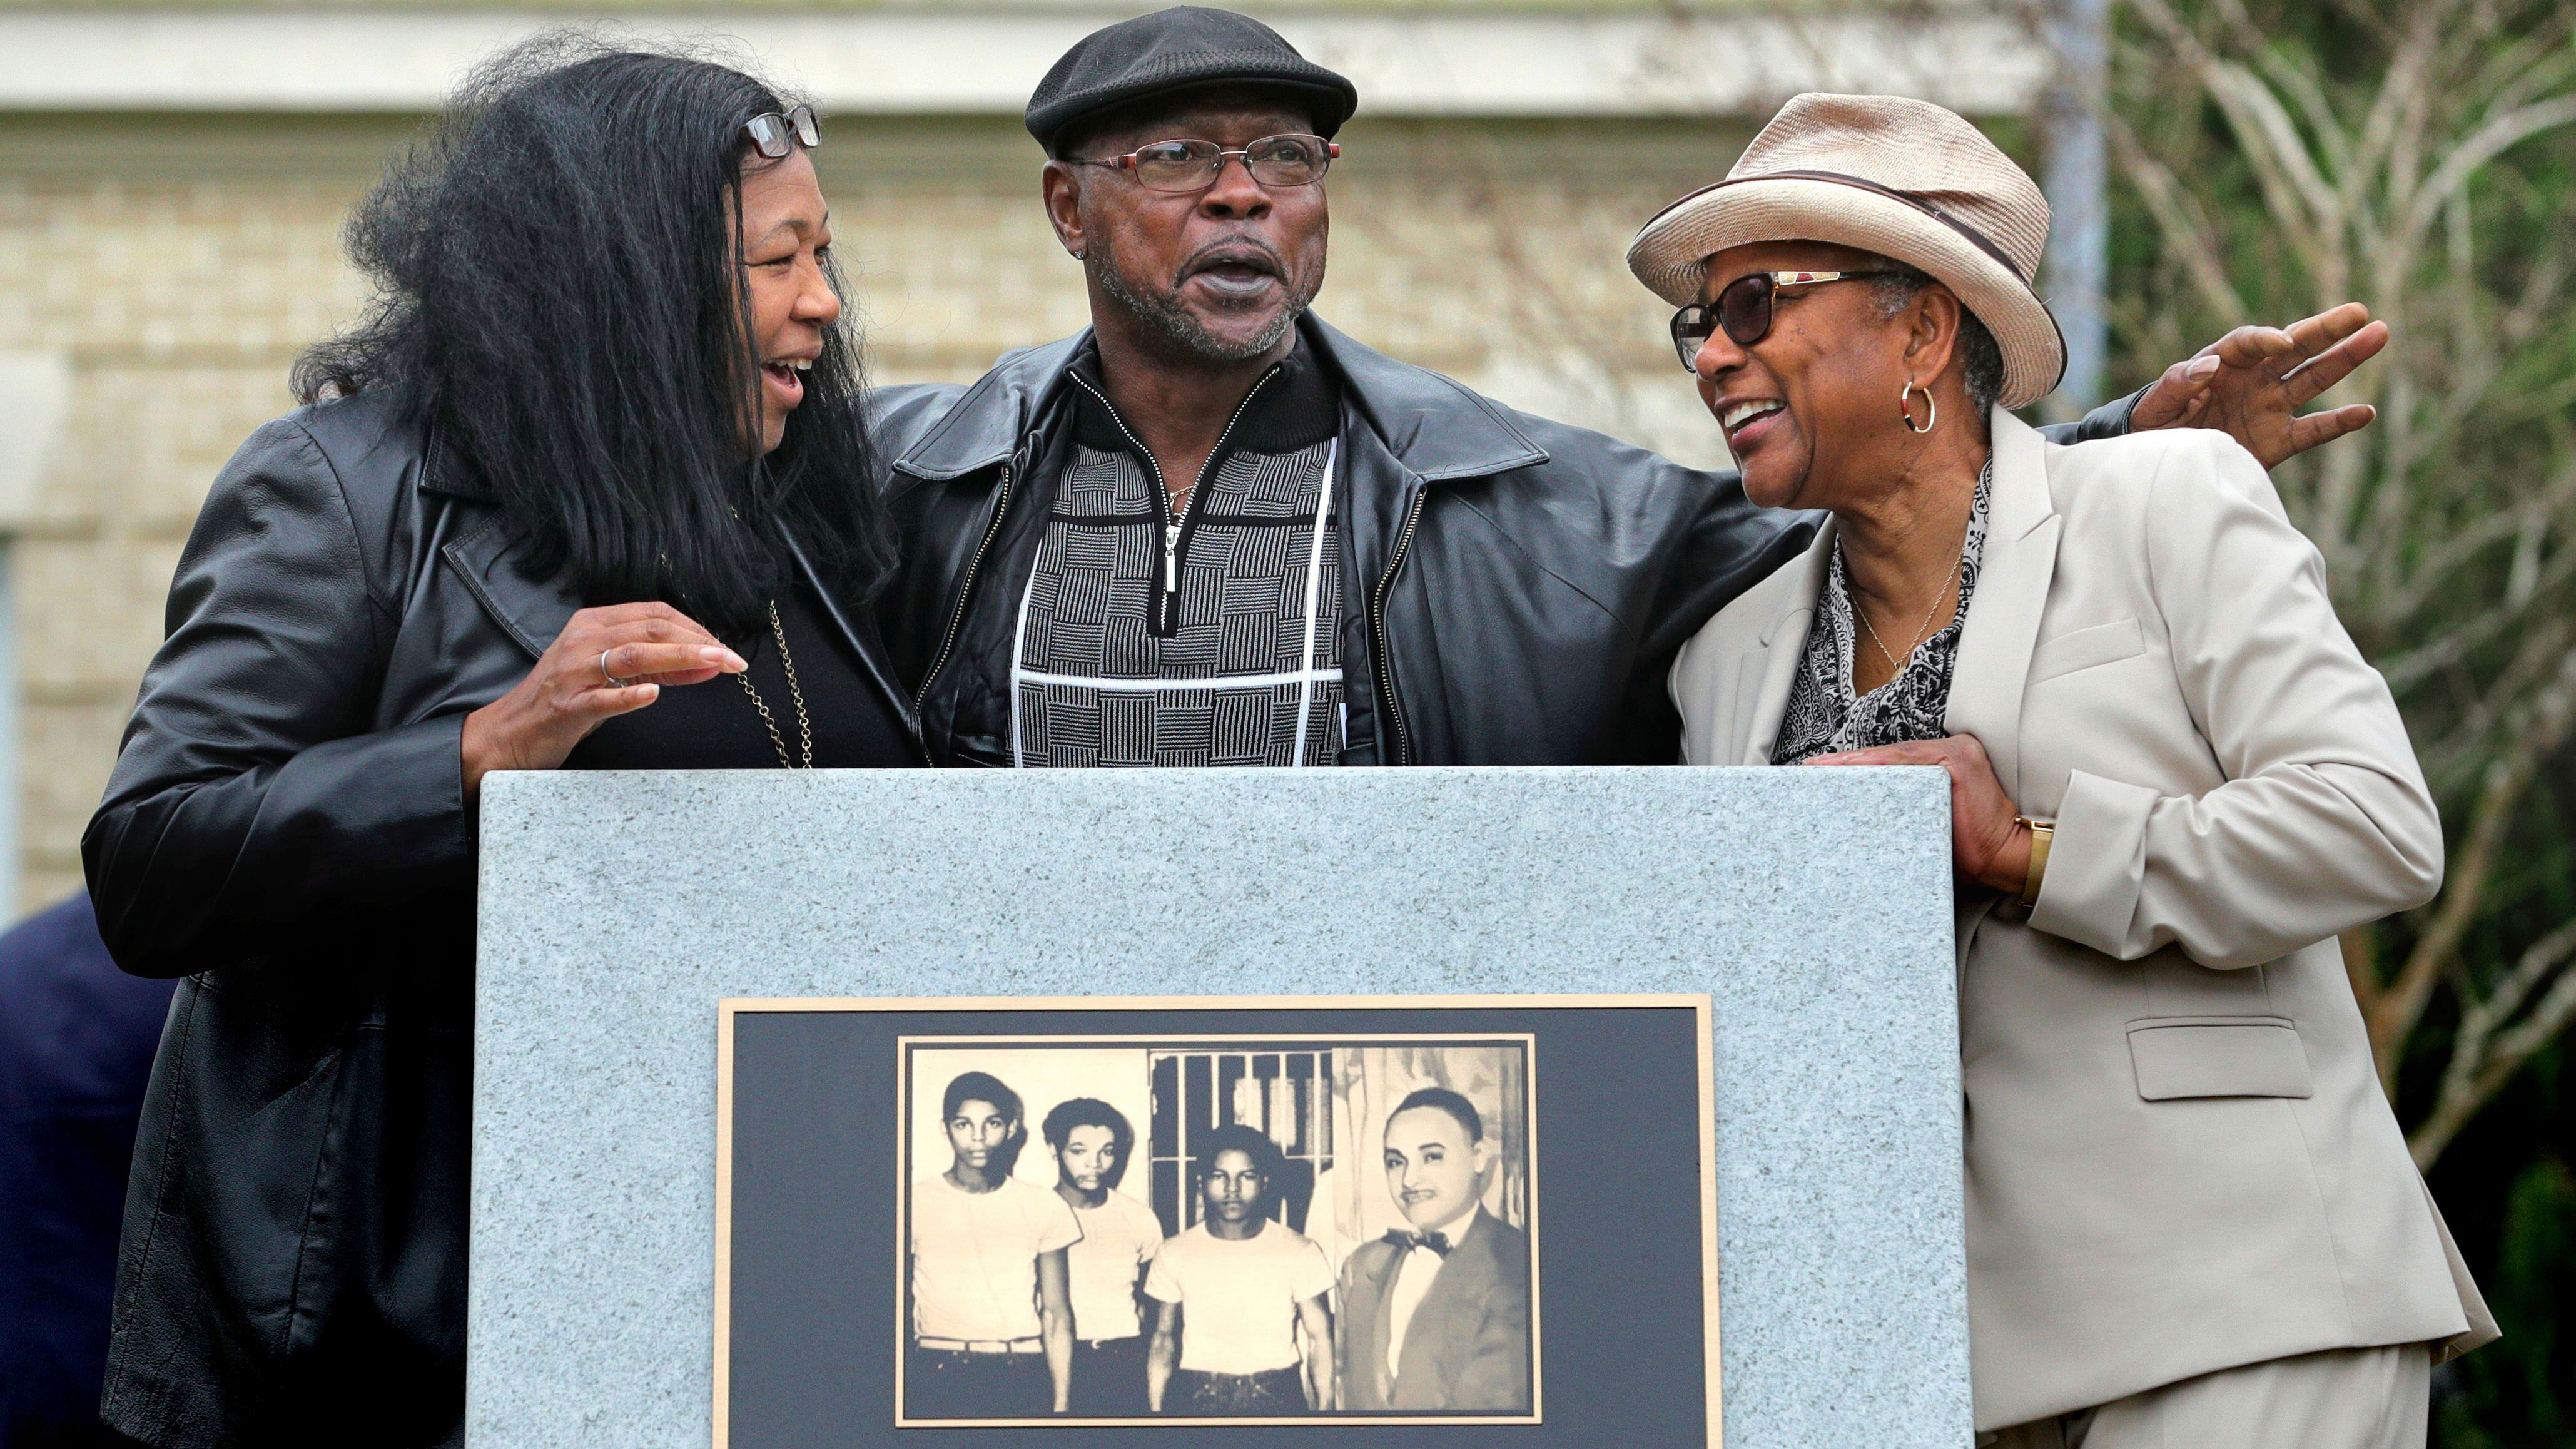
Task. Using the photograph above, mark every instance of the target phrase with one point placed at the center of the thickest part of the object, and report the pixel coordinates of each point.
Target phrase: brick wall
(179, 263)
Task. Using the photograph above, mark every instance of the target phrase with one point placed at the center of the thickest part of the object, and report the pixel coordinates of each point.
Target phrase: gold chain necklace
(1957, 566)
(804, 729)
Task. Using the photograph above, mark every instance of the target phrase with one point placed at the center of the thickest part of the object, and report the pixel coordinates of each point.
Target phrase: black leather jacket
(1519, 587)
(286, 828)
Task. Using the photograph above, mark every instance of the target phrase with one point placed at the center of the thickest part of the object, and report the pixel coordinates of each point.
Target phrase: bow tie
(1437, 1242)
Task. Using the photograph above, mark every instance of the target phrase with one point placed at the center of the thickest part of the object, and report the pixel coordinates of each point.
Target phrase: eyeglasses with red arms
(775, 131)
(1186, 166)
(1743, 310)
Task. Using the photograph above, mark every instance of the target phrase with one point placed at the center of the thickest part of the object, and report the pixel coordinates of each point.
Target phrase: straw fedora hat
(1905, 179)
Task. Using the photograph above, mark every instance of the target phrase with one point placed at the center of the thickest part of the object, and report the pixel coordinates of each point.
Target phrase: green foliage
(2276, 157)
(2522, 1389)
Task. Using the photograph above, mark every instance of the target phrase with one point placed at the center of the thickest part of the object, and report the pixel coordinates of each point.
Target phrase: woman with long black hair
(587, 488)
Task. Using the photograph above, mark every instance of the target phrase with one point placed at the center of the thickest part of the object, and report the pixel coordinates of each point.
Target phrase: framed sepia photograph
(1009, 1220)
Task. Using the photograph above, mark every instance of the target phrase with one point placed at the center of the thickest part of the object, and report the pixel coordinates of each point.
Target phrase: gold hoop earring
(1905, 406)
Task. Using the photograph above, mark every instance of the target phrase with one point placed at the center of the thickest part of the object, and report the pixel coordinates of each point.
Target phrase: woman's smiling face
(1826, 374)
(786, 234)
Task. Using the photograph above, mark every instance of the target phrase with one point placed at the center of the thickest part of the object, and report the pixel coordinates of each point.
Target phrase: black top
(714, 726)
(76, 1043)
(1150, 637)
(1826, 714)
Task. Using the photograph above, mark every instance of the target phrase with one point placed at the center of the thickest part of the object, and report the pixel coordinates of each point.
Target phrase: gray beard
(1190, 339)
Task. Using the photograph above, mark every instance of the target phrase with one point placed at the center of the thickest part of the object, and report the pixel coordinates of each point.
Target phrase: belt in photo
(982, 1345)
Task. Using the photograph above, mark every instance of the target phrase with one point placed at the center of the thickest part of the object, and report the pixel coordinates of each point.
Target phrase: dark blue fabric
(76, 1043)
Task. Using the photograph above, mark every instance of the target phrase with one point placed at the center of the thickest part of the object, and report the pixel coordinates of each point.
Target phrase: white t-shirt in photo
(975, 1257)
(1118, 1237)
(1239, 1300)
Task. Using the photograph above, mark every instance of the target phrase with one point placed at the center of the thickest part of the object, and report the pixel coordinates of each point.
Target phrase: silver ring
(611, 680)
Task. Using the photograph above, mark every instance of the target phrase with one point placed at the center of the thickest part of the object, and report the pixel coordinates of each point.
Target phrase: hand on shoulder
(2251, 383)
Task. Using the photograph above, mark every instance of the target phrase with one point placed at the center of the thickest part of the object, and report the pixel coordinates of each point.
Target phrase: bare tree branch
(2449, 760)
(2283, 151)
(2483, 146)
(2473, 539)
(2189, 237)
(2361, 963)
(2411, 668)
(2482, 1061)
(2538, 736)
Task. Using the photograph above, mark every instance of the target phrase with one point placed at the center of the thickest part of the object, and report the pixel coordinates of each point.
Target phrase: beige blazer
(2179, 1156)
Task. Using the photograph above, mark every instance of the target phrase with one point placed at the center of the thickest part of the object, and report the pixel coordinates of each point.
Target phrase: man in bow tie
(1438, 1317)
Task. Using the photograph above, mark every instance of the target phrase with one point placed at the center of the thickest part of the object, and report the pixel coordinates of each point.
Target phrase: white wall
(968, 60)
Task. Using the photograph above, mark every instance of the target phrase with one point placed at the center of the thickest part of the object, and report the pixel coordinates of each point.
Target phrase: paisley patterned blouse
(1823, 717)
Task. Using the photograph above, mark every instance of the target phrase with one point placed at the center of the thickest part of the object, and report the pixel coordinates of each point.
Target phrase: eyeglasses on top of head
(773, 132)
(1184, 166)
(1743, 309)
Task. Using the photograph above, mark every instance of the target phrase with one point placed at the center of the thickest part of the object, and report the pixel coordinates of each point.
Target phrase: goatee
(1190, 339)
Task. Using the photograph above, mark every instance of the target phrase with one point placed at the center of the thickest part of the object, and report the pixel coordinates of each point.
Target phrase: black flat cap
(1170, 50)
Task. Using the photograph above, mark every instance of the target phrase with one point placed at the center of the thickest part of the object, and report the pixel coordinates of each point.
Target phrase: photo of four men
(1266, 1279)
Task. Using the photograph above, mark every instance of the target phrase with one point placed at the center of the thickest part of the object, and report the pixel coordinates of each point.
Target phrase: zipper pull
(1171, 558)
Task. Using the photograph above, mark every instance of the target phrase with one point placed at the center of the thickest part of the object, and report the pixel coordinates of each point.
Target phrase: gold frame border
(1700, 1005)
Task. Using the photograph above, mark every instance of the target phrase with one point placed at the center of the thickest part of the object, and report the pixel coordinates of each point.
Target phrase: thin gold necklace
(1894, 668)
(804, 728)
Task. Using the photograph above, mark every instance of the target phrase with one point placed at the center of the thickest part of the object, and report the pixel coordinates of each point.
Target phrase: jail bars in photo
(1287, 1096)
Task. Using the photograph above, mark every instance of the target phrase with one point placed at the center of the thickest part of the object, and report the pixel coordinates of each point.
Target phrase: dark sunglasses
(1743, 309)
(1183, 166)
(776, 131)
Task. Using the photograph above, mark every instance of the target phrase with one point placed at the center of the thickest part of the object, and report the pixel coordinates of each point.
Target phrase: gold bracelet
(2043, 833)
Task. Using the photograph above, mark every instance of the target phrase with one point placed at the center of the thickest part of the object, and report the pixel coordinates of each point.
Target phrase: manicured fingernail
(2201, 368)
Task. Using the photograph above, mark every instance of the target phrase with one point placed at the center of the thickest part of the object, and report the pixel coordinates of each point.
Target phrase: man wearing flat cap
(1213, 530)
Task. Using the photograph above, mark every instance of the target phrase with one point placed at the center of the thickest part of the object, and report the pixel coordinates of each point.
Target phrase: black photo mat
(811, 1292)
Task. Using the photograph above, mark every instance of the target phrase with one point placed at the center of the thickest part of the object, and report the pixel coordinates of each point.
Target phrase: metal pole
(2077, 267)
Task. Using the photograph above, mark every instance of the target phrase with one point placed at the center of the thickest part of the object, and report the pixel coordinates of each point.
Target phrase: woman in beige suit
(2191, 1216)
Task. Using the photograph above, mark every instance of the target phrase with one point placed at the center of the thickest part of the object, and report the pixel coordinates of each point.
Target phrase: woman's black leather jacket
(287, 829)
